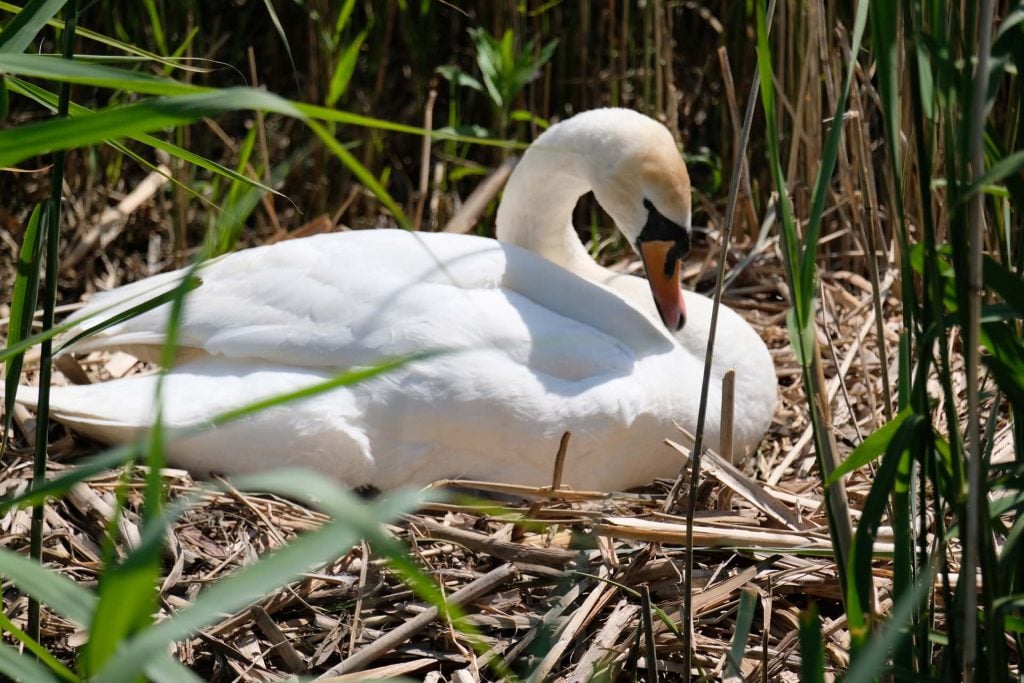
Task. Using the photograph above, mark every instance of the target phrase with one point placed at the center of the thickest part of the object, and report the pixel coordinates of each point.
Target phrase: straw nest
(560, 583)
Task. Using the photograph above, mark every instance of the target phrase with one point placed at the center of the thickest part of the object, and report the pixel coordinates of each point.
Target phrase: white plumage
(533, 349)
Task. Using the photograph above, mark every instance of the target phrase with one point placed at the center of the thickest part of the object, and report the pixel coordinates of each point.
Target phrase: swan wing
(342, 300)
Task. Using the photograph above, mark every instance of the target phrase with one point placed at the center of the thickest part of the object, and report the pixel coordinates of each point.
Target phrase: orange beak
(662, 268)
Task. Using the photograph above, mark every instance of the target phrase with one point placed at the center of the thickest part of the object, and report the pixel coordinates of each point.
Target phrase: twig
(725, 438)
(468, 214)
(698, 446)
(504, 550)
(646, 619)
(110, 223)
(556, 475)
(747, 488)
(393, 639)
(261, 130)
(569, 631)
(293, 661)
(428, 126)
(602, 647)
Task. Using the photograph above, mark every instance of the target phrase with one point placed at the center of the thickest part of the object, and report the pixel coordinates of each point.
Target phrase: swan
(541, 339)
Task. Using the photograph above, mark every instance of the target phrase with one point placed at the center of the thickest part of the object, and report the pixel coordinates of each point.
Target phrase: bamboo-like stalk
(975, 237)
(51, 226)
(698, 445)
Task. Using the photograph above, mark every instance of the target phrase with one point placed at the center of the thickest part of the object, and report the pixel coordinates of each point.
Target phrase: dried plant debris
(552, 584)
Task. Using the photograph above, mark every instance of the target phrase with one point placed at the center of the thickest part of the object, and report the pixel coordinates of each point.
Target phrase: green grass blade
(344, 69)
(23, 306)
(870, 448)
(105, 40)
(361, 173)
(1009, 285)
(128, 314)
(127, 591)
(1008, 166)
(167, 670)
(119, 455)
(96, 75)
(20, 31)
(49, 100)
(61, 594)
(85, 469)
(830, 153)
(40, 652)
(19, 667)
(254, 581)
(744, 619)
(812, 646)
(26, 141)
(872, 663)
(892, 473)
(272, 13)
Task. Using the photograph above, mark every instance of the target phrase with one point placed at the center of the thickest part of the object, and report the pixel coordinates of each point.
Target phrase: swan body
(535, 339)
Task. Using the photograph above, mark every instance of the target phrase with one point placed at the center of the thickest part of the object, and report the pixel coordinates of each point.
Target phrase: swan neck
(536, 209)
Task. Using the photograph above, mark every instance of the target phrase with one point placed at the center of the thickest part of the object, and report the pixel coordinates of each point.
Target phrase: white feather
(532, 349)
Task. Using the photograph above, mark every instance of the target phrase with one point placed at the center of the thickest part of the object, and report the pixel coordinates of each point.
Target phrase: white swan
(546, 339)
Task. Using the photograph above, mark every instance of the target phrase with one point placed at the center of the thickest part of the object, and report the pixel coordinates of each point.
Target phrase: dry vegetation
(551, 583)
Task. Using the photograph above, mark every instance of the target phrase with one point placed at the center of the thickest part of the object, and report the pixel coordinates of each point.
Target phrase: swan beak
(661, 262)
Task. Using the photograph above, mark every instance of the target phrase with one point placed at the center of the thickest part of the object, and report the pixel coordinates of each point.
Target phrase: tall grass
(123, 642)
(894, 127)
(949, 506)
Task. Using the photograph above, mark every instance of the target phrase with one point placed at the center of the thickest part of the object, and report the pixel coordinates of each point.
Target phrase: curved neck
(536, 210)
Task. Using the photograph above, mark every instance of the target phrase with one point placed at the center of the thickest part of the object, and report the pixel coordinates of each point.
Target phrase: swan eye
(658, 228)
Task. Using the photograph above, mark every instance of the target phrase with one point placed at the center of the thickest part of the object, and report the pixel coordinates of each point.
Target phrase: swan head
(641, 181)
(632, 165)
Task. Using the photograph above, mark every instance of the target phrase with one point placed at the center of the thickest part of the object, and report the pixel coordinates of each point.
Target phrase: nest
(552, 583)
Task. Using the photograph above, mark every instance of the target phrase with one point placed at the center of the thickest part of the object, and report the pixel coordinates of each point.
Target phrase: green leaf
(812, 646)
(121, 454)
(454, 74)
(1005, 167)
(827, 164)
(885, 47)
(887, 478)
(88, 73)
(870, 448)
(271, 571)
(23, 306)
(281, 34)
(802, 337)
(361, 173)
(870, 664)
(5, 100)
(49, 100)
(110, 42)
(20, 667)
(127, 314)
(344, 69)
(1005, 282)
(744, 618)
(58, 486)
(22, 30)
(127, 591)
(29, 140)
(37, 650)
(167, 670)
(343, 16)
(63, 595)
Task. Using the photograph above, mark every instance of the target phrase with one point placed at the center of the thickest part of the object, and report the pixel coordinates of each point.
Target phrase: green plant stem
(51, 225)
(976, 229)
(698, 442)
